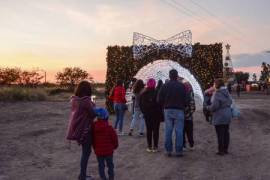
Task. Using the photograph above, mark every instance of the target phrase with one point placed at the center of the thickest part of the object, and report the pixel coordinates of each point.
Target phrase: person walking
(222, 115)
(188, 122)
(137, 116)
(105, 141)
(150, 110)
(173, 99)
(118, 97)
(81, 122)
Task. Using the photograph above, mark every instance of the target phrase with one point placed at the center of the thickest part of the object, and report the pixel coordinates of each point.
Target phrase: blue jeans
(174, 120)
(137, 116)
(86, 151)
(120, 112)
(101, 167)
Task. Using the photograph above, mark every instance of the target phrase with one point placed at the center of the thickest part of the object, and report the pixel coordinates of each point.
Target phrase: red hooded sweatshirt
(81, 119)
(119, 95)
(105, 140)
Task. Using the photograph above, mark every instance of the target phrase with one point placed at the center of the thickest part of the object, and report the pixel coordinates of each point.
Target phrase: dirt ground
(32, 147)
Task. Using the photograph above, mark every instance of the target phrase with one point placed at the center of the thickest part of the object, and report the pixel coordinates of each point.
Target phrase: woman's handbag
(235, 111)
(125, 107)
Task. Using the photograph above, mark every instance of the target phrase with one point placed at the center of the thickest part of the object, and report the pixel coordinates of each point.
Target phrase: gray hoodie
(221, 107)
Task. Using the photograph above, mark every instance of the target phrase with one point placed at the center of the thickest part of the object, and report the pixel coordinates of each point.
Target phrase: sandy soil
(32, 146)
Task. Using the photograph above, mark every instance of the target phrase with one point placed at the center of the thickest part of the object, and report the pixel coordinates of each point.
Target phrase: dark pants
(238, 93)
(223, 137)
(101, 167)
(152, 130)
(119, 109)
(188, 131)
(86, 151)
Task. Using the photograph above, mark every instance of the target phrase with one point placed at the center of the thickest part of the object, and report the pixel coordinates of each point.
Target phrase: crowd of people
(153, 103)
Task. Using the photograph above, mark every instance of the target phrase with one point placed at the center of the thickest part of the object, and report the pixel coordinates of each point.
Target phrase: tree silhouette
(9, 76)
(241, 76)
(254, 77)
(71, 76)
(265, 72)
(29, 78)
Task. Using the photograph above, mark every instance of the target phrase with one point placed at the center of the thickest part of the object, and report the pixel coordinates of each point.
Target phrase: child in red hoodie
(105, 141)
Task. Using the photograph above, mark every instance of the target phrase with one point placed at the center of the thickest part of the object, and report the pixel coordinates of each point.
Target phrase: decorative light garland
(159, 70)
(181, 43)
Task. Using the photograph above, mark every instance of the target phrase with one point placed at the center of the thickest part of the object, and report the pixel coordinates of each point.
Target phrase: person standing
(81, 122)
(188, 123)
(137, 116)
(150, 110)
(133, 81)
(118, 97)
(229, 87)
(173, 99)
(222, 115)
(238, 89)
(105, 141)
(207, 102)
(160, 111)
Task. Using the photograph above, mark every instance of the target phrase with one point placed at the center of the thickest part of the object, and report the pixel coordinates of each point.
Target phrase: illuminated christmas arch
(159, 70)
(204, 63)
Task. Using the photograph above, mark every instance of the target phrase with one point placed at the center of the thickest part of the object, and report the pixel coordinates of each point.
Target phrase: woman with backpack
(151, 112)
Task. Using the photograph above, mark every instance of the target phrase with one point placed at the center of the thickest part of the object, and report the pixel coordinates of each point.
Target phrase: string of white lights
(159, 70)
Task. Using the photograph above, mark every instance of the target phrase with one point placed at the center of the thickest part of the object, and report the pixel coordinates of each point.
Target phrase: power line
(214, 16)
(186, 12)
(223, 22)
(190, 13)
(193, 14)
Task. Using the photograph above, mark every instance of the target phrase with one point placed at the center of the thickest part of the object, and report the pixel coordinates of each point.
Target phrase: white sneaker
(192, 148)
(149, 150)
(121, 133)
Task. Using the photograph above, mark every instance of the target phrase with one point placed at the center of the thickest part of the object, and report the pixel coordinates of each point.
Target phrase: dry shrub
(22, 94)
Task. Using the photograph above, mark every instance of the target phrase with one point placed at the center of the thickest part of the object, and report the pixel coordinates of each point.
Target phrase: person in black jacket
(174, 99)
(188, 123)
(151, 113)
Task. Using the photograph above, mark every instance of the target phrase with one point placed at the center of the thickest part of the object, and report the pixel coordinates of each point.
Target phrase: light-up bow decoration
(180, 43)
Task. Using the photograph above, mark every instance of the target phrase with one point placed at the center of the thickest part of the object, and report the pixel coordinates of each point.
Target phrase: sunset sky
(53, 34)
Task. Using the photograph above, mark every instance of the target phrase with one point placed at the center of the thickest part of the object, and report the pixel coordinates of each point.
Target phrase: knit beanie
(188, 87)
(102, 113)
(151, 83)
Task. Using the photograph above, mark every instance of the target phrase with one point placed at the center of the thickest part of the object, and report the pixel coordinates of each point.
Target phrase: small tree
(9, 75)
(29, 78)
(71, 76)
(254, 77)
(265, 73)
(241, 76)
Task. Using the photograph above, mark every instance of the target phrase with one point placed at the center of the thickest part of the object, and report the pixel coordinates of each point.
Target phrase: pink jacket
(81, 119)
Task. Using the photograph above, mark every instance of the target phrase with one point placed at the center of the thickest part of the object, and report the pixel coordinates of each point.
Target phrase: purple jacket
(81, 119)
